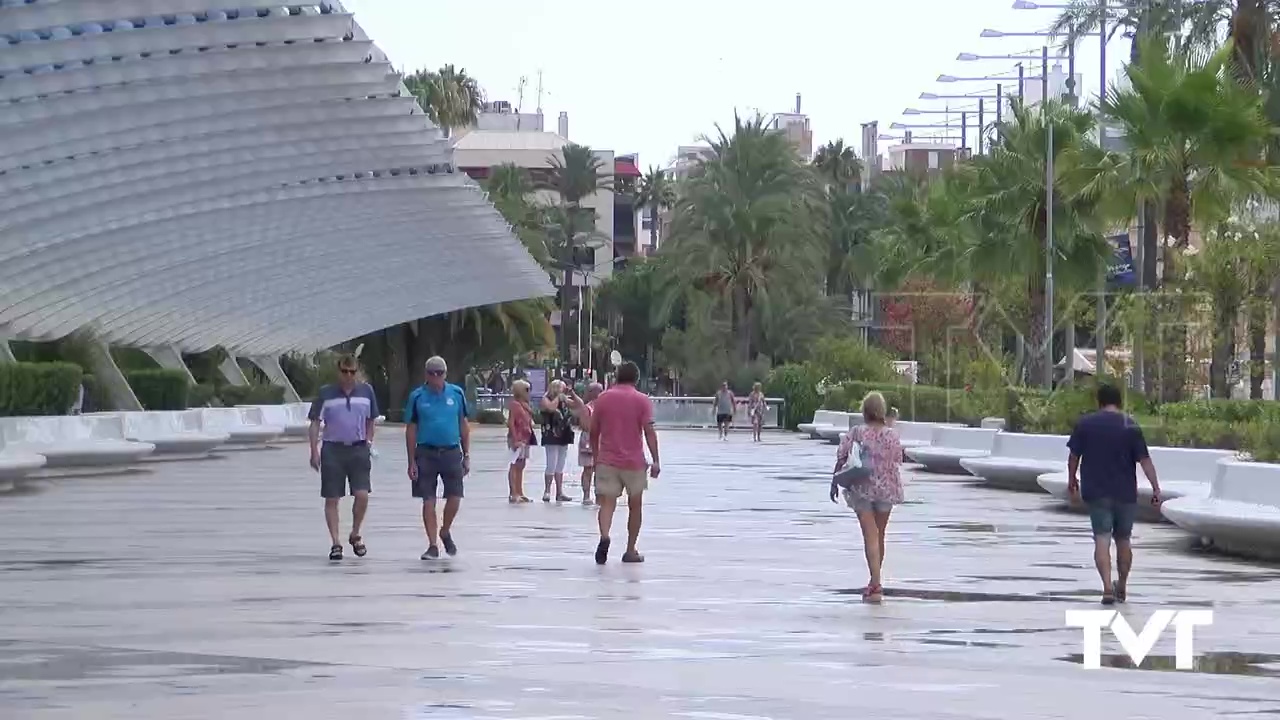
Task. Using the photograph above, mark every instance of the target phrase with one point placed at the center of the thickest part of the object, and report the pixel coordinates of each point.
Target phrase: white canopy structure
(181, 174)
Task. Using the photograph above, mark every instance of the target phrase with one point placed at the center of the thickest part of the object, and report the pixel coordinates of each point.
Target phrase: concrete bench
(73, 445)
(17, 464)
(825, 420)
(245, 428)
(1183, 472)
(285, 416)
(950, 444)
(1241, 513)
(176, 434)
(918, 434)
(1017, 460)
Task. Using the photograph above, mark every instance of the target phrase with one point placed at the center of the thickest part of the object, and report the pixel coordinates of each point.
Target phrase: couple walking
(437, 443)
(616, 425)
(559, 411)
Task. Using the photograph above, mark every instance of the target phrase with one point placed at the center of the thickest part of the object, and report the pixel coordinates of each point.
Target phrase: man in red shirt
(620, 417)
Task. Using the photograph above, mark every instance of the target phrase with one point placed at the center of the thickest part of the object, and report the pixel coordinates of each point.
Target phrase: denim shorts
(1110, 517)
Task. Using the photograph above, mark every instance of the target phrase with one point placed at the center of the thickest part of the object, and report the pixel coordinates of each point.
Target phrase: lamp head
(946, 78)
(928, 96)
(966, 57)
(989, 33)
(1025, 5)
(911, 111)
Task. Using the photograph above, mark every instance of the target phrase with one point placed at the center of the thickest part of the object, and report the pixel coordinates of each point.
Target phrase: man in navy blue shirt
(1111, 445)
(438, 442)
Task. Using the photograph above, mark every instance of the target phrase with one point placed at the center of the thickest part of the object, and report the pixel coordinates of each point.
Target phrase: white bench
(1241, 513)
(993, 423)
(825, 420)
(950, 444)
(918, 434)
(16, 464)
(285, 416)
(73, 445)
(1183, 472)
(243, 426)
(1017, 460)
(177, 435)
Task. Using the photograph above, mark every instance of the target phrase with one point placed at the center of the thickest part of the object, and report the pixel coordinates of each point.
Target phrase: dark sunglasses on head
(347, 371)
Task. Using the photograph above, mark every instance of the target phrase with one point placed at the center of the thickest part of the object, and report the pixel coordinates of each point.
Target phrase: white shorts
(556, 456)
(518, 454)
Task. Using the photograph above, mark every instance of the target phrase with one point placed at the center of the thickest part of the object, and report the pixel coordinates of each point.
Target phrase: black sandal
(335, 552)
(357, 545)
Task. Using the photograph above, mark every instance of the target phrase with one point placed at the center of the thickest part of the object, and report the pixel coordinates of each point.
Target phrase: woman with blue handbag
(872, 485)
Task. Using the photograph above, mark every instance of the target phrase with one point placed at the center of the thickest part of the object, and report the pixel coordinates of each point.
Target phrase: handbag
(853, 473)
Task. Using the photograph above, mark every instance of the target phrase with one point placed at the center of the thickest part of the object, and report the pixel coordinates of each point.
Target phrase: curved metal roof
(174, 172)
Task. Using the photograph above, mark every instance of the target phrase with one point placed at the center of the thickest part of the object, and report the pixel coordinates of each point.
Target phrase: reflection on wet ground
(201, 590)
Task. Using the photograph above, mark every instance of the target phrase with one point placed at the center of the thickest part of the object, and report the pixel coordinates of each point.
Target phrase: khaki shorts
(612, 481)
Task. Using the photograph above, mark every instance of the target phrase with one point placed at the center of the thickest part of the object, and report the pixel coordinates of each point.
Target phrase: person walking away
(873, 500)
(557, 436)
(620, 419)
(724, 404)
(438, 443)
(519, 438)
(472, 391)
(342, 425)
(1110, 444)
(756, 408)
(586, 458)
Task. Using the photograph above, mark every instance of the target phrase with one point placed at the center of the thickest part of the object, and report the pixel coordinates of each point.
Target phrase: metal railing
(689, 412)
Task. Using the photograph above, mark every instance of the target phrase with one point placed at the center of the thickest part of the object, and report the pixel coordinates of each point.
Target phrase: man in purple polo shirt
(347, 411)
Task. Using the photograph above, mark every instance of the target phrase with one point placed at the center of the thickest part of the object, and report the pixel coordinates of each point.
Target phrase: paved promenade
(202, 590)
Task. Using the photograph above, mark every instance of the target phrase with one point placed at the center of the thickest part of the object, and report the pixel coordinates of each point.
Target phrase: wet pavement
(202, 590)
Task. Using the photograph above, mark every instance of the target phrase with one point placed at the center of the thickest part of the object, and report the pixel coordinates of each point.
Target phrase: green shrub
(251, 394)
(201, 395)
(1262, 441)
(840, 359)
(38, 388)
(160, 389)
(922, 403)
(96, 397)
(491, 417)
(797, 384)
(1235, 411)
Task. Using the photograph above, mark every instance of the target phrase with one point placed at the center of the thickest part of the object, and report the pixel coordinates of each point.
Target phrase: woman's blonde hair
(756, 386)
(555, 388)
(873, 408)
(520, 388)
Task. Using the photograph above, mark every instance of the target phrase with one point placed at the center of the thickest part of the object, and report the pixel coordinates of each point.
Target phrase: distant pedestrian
(438, 442)
(756, 408)
(520, 438)
(586, 457)
(343, 418)
(873, 499)
(557, 436)
(724, 405)
(621, 426)
(1111, 444)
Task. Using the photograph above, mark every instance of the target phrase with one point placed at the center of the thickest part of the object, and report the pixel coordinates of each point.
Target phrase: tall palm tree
(837, 164)
(451, 98)
(851, 220)
(657, 192)
(745, 225)
(576, 174)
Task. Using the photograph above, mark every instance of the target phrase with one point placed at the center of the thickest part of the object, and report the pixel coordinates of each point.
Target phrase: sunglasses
(347, 371)
(435, 373)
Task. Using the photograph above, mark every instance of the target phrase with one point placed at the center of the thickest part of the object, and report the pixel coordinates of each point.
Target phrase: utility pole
(1048, 225)
(1100, 327)
(524, 79)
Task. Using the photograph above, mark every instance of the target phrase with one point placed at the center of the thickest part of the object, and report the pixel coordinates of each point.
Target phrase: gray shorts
(343, 465)
(436, 465)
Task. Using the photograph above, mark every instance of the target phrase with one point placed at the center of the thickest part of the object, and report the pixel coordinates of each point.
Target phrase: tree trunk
(653, 227)
(398, 382)
(741, 323)
(1258, 322)
(1225, 316)
(1036, 336)
(1069, 351)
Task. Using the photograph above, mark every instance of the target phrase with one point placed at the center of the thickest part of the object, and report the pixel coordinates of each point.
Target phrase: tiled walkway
(201, 590)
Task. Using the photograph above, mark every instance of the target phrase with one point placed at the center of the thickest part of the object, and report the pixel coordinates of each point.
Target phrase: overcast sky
(648, 77)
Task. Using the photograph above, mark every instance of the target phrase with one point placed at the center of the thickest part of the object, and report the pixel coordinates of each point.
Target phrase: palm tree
(1003, 194)
(451, 98)
(851, 220)
(745, 226)
(576, 174)
(657, 192)
(1193, 135)
(837, 164)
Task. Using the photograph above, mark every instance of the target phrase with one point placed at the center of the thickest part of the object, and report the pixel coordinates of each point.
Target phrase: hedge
(201, 395)
(921, 403)
(797, 385)
(254, 394)
(38, 388)
(491, 417)
(160, 389)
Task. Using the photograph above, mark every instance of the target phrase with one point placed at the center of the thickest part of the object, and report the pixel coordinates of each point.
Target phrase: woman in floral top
(519, 437)
(874, 498)
(756, 408)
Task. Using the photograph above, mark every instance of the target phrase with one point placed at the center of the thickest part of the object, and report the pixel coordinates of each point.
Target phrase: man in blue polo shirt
(347, 411)
(438, 441)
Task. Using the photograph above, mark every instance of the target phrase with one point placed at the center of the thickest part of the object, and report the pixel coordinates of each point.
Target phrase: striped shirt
(345, 416)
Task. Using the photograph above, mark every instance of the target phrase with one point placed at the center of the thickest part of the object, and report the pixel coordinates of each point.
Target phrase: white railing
(674, 411)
